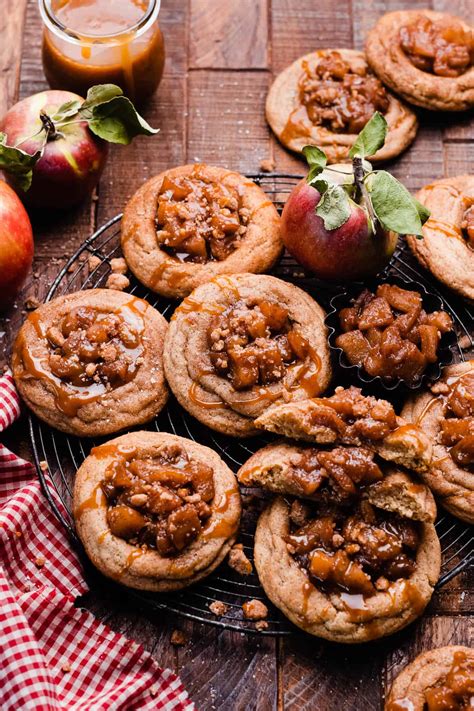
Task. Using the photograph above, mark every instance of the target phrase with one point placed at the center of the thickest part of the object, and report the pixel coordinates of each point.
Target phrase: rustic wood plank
(458, 158)
(423, 161)
(461, 8)
(306, 25)
(228, 670)
(11, 24)
(229, 35)
(324, 676)
(226, 123)
(146, 156)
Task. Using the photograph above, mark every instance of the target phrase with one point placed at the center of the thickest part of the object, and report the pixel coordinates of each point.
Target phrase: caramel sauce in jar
(88, 42)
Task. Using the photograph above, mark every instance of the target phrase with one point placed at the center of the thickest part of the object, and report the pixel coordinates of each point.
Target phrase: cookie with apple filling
(327, 97)
(447, 247)
(438, 680)
(426, 57)
(446, 415)
(189, 224)
(350, 418)
(156, 511)
(90, 363)
(355, 556)
(238, 345)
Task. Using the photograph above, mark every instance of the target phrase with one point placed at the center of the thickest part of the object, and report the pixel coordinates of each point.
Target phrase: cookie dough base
(327, 616)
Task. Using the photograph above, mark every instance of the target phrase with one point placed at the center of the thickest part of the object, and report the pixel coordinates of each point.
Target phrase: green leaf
(316, 159)
(67, 110)
(17, 163)
(334, 207)
(118, 121)
(100, 94)
(393, 205)
(371, 138)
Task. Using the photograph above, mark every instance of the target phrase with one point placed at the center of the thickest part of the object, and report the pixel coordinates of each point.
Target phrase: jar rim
(55, 25)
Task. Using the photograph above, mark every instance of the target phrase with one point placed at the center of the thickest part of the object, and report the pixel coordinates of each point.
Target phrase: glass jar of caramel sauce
(87, 42)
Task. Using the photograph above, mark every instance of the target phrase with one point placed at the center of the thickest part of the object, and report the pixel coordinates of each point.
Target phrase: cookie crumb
(267, 165)
(18, 534)
(218, 608)
(66, 668)
(118, 265)
(299, 512)
(40, 561)
(93, 262)
(32, 303)
(153, 691)
(439, 388)
(261, 625)
(238, 561)
(382, 584)
(119, 282)
(255, 610)
(44, 466)
(178, 638)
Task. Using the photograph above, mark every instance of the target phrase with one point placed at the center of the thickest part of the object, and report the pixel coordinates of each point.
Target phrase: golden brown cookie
(442, 678)
(239, 344)
(350, 418)
(189, 224)
(327, 97)
(156, 511)
(91, 363)
(425, 57)
(447, 247)
(357, 556)
(446, 415)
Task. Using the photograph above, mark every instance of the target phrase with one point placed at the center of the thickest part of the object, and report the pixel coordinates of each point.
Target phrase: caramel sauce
(70, 398)
(133, 60)
(131, 558)
(428, 407)
(262, 395)
(111, 450)
(227, 286)
(206, 404)
(102, 536)
(454, 192)
(93, 502)
(221, 528)
(445, 228)
(190, 305)
(298, 125)
(354, 605)
(307, 377)
(173, 279)
(306, 591)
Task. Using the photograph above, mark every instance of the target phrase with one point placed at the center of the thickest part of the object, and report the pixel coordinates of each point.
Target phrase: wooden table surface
(221, 57)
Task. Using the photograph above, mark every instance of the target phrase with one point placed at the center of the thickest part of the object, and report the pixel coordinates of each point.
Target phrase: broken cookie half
(350, 418)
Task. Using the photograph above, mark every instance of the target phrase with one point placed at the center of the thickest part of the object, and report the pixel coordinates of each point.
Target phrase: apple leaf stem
(362, 194)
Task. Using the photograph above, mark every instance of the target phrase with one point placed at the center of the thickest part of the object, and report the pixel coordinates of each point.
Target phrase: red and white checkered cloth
(54, 655)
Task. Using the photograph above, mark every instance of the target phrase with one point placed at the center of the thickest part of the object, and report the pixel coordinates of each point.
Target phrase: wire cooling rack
(63, 454)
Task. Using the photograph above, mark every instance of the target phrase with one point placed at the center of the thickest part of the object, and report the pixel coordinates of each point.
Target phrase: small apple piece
(16, 244)
(73, 158)
(350, 252)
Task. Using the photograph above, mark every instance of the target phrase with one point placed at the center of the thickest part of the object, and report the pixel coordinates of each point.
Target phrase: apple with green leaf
(53, 145)
(342, 222)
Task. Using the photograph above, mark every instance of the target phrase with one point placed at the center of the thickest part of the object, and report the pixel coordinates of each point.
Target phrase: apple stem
(361, 191)
(49, 127)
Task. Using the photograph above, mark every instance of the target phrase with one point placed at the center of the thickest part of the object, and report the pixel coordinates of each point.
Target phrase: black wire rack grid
(63, 454)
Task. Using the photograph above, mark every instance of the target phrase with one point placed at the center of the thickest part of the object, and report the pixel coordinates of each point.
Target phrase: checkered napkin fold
(54, 655)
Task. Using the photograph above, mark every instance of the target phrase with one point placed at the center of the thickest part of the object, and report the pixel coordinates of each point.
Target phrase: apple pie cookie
(238, 345)
(91, 363)
(156, 511)
(355, 556)
(350, 418)
(447, 247)
(439, 680)
(425, 57)
(326, 98)
(446, 415)
(189, 224)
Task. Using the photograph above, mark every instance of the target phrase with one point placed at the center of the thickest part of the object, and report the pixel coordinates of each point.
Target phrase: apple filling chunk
(389, 333)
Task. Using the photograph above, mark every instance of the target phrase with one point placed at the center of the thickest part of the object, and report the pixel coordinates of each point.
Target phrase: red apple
(71, 165)
(16, 244)
(349, 252)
